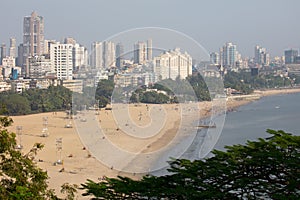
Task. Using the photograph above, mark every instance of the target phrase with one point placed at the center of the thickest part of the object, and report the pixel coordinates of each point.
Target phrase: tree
(20, 177)
(15, 103)
(54, 98)
(104, 92)
(263, 169)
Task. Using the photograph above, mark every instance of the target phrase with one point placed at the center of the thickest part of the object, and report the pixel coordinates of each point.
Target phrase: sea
(248, 123)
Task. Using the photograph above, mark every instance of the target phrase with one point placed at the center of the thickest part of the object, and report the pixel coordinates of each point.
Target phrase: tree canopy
(263, 169)
(244, 82)
(55, 98)
(20, 177)
(104, 92)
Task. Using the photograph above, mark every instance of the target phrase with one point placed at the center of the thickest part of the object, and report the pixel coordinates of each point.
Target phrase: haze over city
(271, 24)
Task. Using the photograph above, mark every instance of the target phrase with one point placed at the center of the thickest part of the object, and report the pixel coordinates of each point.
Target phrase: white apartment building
(61, 56)
(109, 54)
(96, 58)
(229, 54)
(9, 61)
(12, 47)
(80, 56)
(173, 64)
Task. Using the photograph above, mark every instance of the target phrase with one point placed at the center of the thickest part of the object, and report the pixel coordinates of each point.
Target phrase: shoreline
(79, 165)
(257, 95)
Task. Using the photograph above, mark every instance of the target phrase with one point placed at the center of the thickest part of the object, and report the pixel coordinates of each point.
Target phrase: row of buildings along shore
(38, 62)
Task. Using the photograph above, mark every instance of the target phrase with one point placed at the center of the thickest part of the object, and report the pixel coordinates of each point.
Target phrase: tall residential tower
(33, 38)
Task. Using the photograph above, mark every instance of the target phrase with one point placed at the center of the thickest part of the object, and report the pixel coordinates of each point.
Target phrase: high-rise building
(13, 47)
(149, 49)
(290, 56)
(96, 58)
(20, 58)
(173, 64)
(47, 44)
(109, 54)
(33, 37)
(119, 55)
(61, 57)
(2, 52)
(79, 54)
(214, 58)
(140, 52)
(261, 57)
(229, 54)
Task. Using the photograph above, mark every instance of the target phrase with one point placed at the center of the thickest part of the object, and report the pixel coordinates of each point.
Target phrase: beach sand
(77, 163)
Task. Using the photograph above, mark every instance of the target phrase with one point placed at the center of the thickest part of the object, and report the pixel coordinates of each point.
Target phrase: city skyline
(271, 24)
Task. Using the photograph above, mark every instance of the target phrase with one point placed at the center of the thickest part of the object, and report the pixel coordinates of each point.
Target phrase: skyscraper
(290, 56)
(13, 47)
(79, 53)
(140, 52)
(214, 58)
(20, 59)
(33, 37)
(261, 56)
(96, 58)
(61, 56)
(119, 55)
(149, 49)
(229, 54)
(109, 54)
(2, 52)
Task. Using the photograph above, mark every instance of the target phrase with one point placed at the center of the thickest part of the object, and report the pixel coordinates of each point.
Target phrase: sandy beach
(79, 164)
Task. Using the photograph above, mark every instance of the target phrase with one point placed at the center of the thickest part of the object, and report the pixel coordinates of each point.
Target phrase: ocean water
(250, 122)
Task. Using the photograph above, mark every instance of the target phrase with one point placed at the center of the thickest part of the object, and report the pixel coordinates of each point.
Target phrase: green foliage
(69, 190)
(245, 83)
(54, 98)
(20, 177)
(192, 89)
(15, 103)
(239, 81)
(199, 87)
(154, 97)
(263, 169)
(295, 78)
(104, 92)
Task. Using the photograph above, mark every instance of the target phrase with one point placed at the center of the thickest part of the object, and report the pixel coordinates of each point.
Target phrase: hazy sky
(273, 24)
